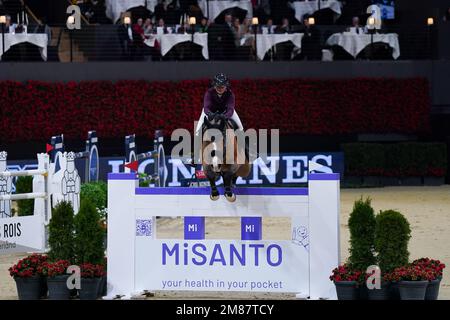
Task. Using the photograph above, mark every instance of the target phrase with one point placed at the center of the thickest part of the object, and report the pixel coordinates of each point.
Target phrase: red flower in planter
(346, 273)
(53, 269)
(435, 267)
(28, 266)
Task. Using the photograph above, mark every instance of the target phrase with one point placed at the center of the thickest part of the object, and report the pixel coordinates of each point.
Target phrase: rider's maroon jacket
(222, 104)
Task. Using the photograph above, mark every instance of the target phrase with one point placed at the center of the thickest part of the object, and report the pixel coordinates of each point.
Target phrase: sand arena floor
(426, 208)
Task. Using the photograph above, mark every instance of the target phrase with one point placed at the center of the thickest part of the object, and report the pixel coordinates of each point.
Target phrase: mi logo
(74, 20)
(192, 227)
(250, 228)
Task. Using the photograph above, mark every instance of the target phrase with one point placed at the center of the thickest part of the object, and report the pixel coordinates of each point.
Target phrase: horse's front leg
(227, 182)
(211, 175)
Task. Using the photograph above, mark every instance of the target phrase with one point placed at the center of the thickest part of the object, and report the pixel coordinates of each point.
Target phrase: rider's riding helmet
(220, 80)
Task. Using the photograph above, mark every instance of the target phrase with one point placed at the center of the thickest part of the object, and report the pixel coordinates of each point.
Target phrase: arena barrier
(90, 155)
(28, 233)
(156, 156)
(138, 260)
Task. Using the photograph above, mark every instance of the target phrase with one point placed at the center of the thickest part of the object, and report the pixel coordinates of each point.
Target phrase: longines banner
(292, 168)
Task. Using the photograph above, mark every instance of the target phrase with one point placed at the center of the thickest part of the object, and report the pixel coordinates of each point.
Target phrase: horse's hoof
(214, 197)
(230, 198)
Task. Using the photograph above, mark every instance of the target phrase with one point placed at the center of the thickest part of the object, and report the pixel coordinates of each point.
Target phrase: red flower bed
(38, 110)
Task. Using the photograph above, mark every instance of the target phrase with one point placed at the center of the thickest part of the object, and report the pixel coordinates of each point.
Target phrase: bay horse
(215, 162)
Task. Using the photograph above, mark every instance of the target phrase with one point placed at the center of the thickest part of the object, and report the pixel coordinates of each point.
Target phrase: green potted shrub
(392, 234)
(61, 243)
(89, 245)
(97, 194)
(361, 224)
(362, 243)
(347, 282)
(435, 269)
(61, 232)
(25, 185)
(56, 273)
(29, 283)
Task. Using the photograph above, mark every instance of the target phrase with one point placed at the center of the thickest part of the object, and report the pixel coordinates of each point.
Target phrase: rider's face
(220, 89)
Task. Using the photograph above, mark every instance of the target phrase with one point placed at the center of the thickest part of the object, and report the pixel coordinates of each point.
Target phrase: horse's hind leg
(212, 181)
(227, 181)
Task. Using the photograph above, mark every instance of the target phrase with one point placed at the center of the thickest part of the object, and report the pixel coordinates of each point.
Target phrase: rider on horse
(219, 99)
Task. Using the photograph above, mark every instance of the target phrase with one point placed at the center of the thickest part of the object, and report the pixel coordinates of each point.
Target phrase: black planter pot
(102, 287)
(57, 288)
(384, 293)
(432, 291)
(412, 290)
(28, 288)
(394, 293)
(347, 290)
(44, 288)
(89, 288)
(433, 181)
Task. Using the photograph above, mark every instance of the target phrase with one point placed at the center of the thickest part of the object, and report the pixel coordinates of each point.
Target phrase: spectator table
(168, 41)
(309, 7)
(355, 43)
(266, 41)
(217, 6)
(38, 39)
(114, 8)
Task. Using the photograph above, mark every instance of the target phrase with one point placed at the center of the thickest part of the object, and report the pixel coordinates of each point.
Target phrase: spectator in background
(148, 28)
(138, 40)
(204, 25)
(162, 24)
(311, 49)
(126, 40)
(270, 27)
(228, 37)
(9, 27)
(229, 20)
(356, 27)
(239, 31)
(284, 27)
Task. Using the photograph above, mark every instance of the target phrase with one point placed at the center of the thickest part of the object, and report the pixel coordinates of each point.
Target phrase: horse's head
(215, 121)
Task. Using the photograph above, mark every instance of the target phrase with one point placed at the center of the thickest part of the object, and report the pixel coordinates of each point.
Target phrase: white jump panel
(138, 260)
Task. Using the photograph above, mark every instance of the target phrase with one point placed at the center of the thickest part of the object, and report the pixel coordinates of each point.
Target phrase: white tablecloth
(217, 6)
(114, 8)
(309, 7)
(168, 41)
(266, 41)
(355, 43)
(38, 39)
